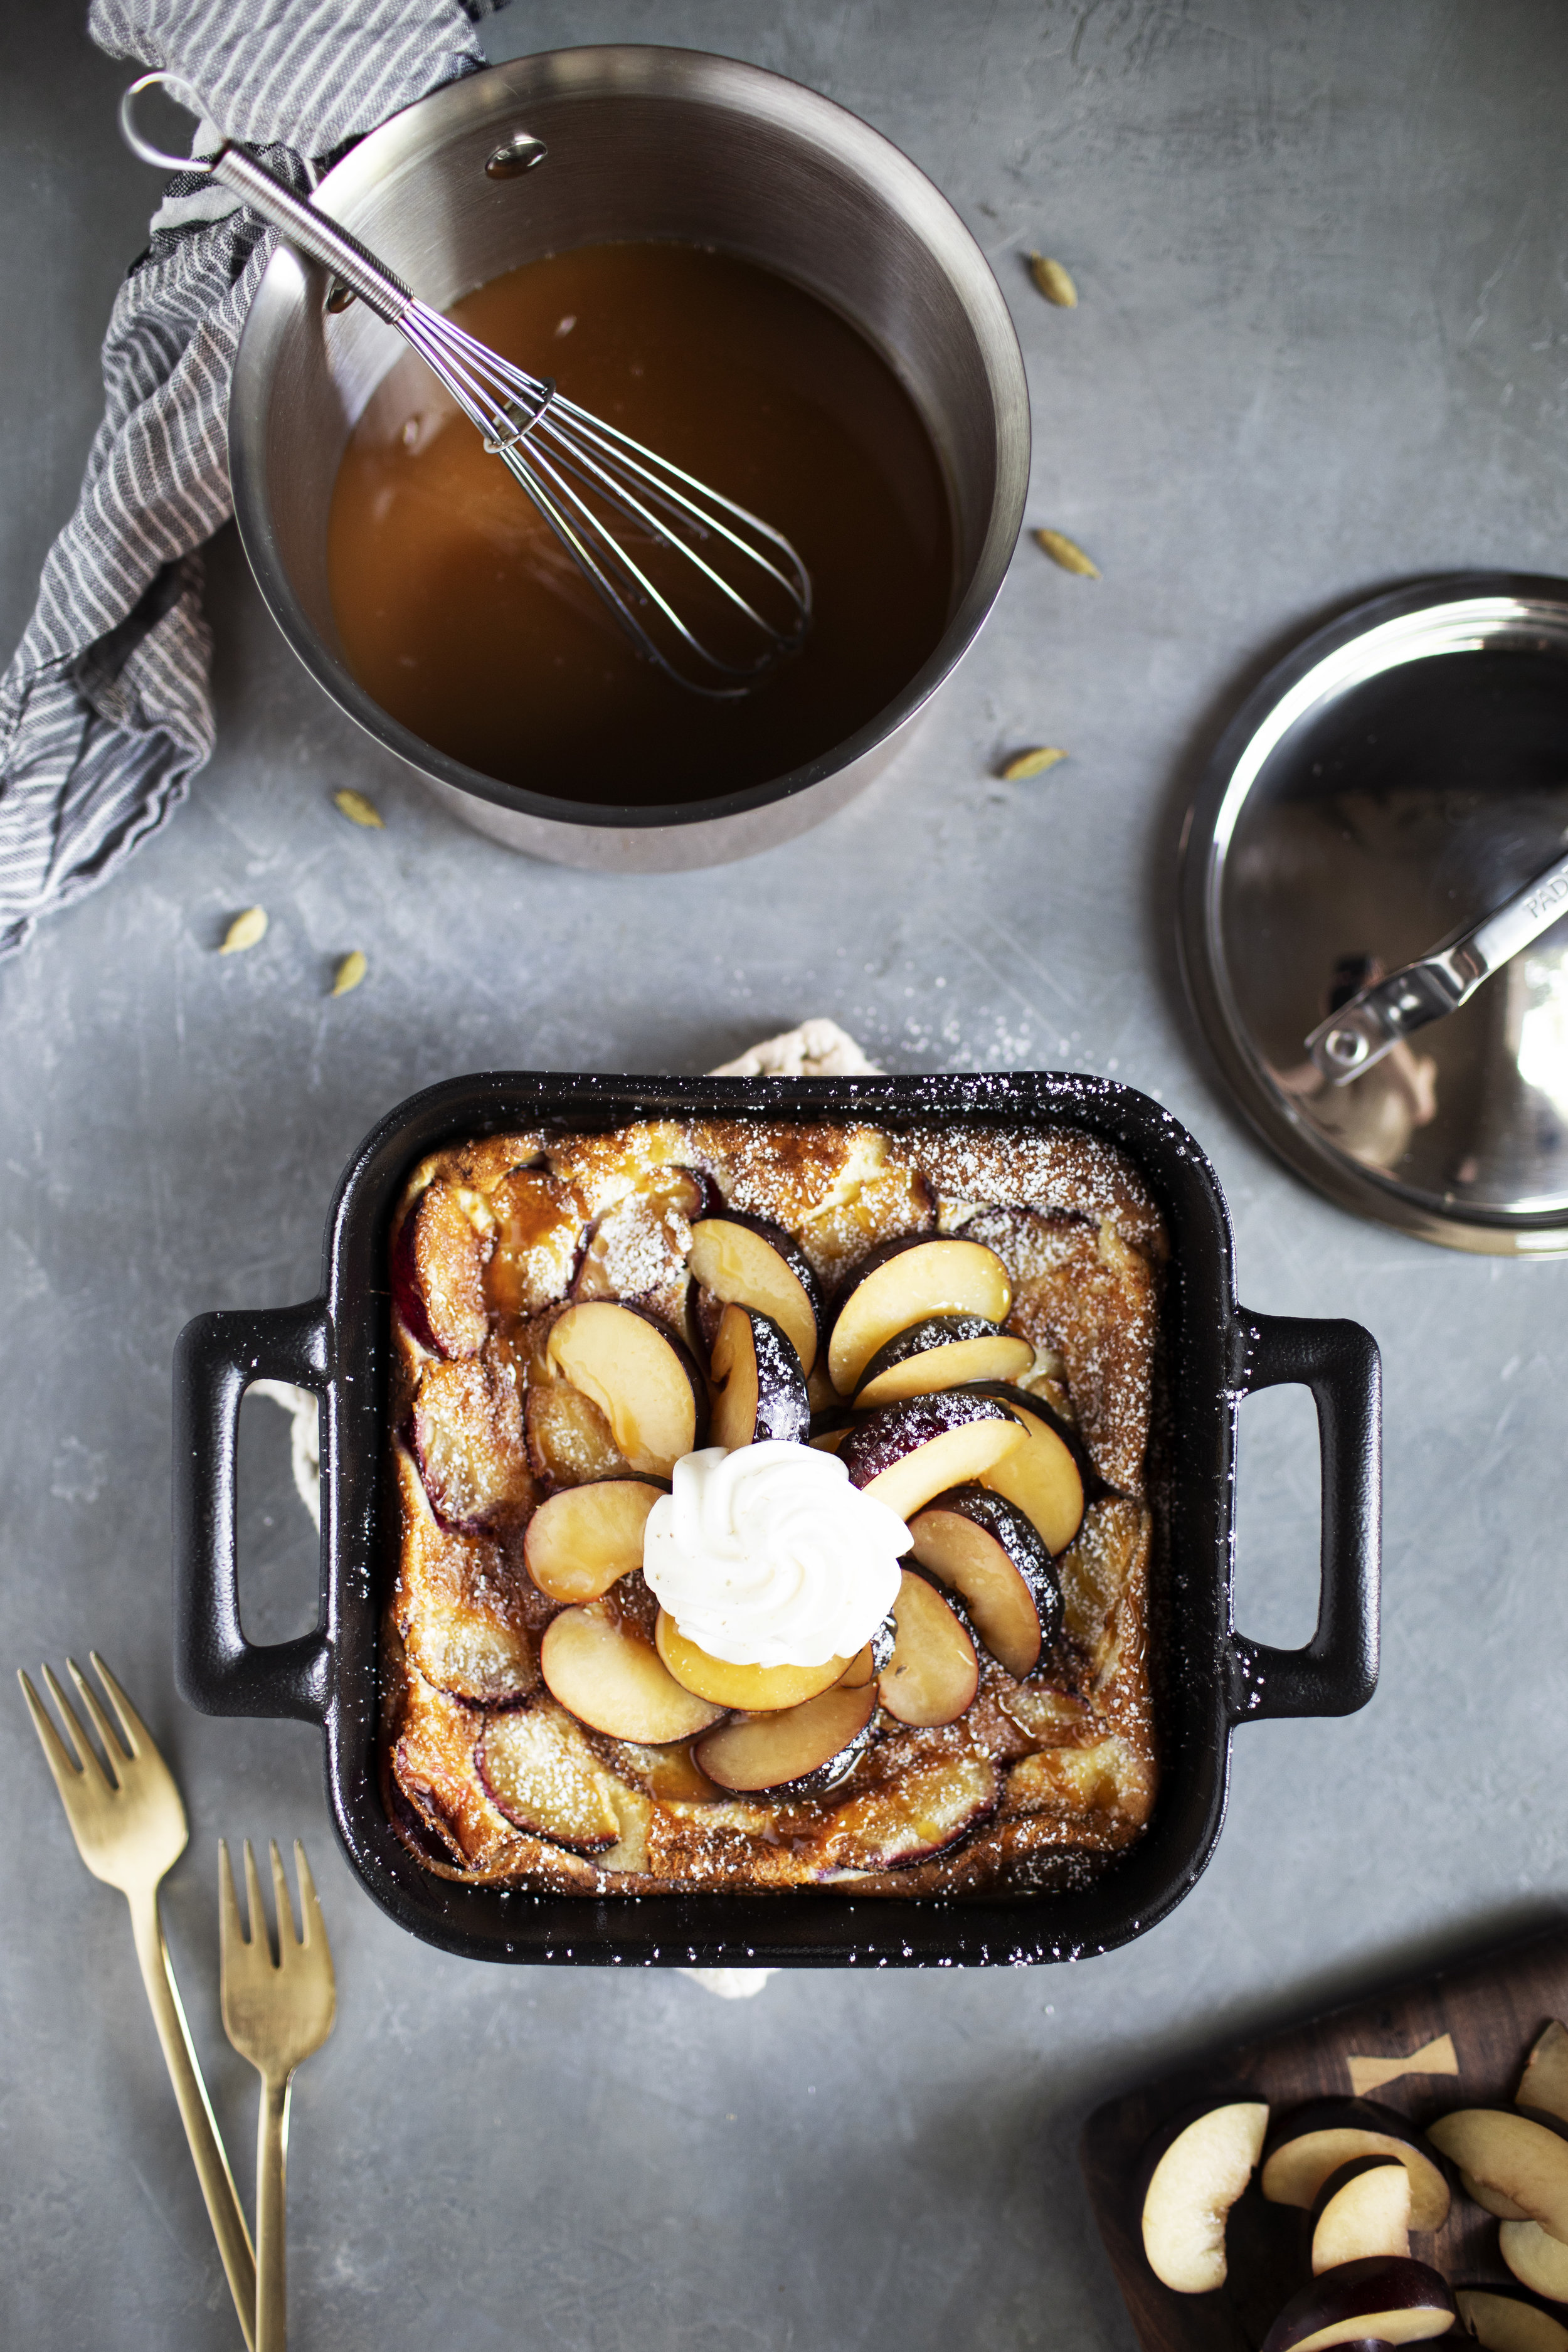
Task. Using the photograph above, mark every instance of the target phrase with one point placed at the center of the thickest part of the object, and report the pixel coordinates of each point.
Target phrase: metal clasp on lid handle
(1360, 1033)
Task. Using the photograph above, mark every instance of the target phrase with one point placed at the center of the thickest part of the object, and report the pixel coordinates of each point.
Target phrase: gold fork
(129, 1827)
(275, 2013)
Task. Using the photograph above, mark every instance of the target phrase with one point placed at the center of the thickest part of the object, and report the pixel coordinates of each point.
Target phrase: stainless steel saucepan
(642, 143)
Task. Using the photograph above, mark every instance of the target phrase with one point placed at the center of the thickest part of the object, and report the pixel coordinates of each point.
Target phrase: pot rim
(637, 71)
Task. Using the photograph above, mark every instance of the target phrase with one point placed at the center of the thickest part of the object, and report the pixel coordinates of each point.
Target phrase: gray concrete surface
(1322, 347)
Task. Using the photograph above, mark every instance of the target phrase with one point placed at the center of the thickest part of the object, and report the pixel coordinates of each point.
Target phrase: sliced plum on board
(1506, 2323)
(904, 1283)
(1522, 2157)
(1544, 2084)
(1197, 2170)
(1314, 2140)
(1535, 2257)
(1383, 2300)
(993, 1556)
(759, 1389)
(1362, 2209)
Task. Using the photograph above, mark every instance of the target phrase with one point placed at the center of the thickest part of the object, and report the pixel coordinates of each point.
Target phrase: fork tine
(230, 1931)
(311, 1924)
(258, 1909)
(286, 1936)
(135, 1733)
(67, 1774)
(101, 1723)
(86, 1754)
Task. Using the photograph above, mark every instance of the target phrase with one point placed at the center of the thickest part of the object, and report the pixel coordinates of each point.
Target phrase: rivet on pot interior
(521, 153)
(341, 296)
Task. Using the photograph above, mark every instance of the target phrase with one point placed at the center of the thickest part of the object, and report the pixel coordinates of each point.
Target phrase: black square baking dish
(1209, 1677)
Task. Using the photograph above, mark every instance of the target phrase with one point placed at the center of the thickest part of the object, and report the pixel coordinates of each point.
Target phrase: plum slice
(604, 1672)
(438, 1273)
(760, 1387)
(1315, 2139)
(1383, 2299)
(469, 1443)
(993, 1556)
(1362, 2209)
(1044, 1476)
(538, 1770)
(1501, 2208)
(757, 1690)
(1544, 2084)
(869, 1662)
(830, 1427)
(905, 1282)
(1503, 2149)
(459, 1605)
(586, 1538)
(1194, 2179)
(921, 1812)
(943, 1352)
(747, 1262)
(824, 1735)
(1506, 2323)
(933, 1674)
(569, 1440)
(1536, 2258)
(641, 1377)
(637, 1250)
(908, 1453)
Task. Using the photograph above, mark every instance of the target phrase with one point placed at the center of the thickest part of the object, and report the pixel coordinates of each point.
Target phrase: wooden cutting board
(1481, 2017)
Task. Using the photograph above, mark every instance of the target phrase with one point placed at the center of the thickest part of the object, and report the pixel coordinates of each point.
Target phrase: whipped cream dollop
(767, 1556)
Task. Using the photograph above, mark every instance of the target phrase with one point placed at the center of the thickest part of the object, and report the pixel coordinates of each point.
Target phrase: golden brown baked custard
(967, 1316)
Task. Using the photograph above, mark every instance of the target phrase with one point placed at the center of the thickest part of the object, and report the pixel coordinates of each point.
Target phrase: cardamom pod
(246, 930)
(1067, 554)
(1053, 281)
(1029, 764)
(351, 971)
(357, 809)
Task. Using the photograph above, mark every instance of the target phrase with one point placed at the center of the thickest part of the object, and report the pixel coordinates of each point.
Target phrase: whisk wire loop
(582, 473)
(574, 466)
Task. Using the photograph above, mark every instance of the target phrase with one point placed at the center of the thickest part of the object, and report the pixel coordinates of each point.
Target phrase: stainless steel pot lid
(1400, 774)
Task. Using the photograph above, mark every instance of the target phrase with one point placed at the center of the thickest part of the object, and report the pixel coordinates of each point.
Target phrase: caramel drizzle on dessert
(968, 1319)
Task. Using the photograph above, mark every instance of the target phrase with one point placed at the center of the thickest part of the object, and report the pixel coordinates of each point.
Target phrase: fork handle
(271, 2235)
(207, 2152)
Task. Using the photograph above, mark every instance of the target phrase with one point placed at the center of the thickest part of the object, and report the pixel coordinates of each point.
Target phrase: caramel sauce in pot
(462, 615)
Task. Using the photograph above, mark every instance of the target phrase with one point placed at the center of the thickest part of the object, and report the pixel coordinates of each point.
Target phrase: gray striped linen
(105, 713)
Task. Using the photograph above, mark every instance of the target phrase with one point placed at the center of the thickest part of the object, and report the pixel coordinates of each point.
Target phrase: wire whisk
(621, 511)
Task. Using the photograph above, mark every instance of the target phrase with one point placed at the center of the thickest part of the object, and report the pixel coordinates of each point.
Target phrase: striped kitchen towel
(104, 711)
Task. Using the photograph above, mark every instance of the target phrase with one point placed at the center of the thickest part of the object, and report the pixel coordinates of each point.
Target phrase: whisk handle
(323, 239)
(351, 262)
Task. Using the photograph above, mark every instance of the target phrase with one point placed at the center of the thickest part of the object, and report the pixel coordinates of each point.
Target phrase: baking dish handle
(216, 1360)
(1337, 1671)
